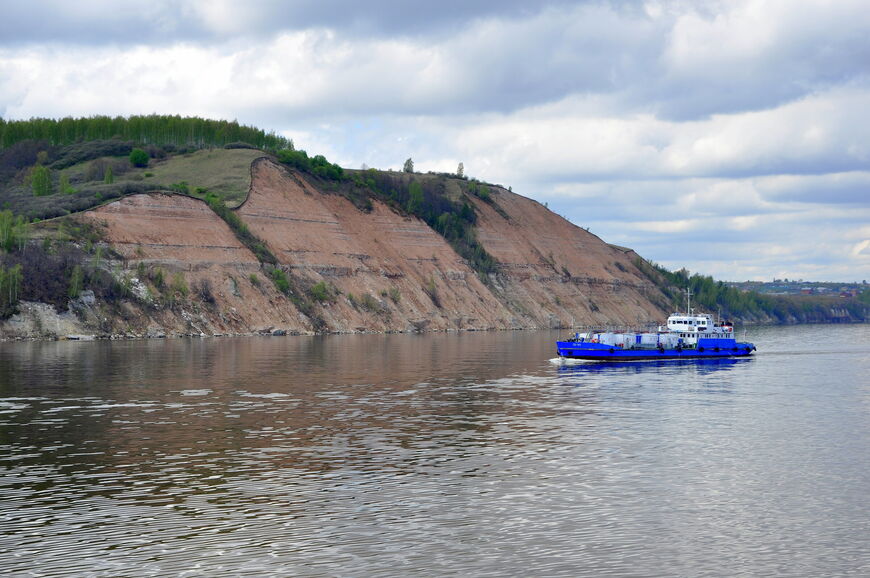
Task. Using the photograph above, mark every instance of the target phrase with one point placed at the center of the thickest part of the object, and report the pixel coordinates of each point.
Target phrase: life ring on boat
(701, 349)
(611, 350)
(715, 349)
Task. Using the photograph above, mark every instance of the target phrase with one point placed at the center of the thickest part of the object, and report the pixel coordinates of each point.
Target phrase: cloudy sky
(728, 137)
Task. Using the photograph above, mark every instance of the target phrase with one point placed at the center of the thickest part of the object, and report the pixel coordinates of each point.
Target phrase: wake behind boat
(686, 335)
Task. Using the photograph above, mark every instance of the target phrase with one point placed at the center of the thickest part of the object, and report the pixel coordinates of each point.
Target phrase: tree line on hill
(717, 297)
(142, 129)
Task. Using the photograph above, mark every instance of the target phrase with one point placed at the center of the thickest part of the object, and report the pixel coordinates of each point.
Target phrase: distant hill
(749, 305)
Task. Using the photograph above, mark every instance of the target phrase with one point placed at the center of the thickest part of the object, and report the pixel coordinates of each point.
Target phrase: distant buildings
(801, 287)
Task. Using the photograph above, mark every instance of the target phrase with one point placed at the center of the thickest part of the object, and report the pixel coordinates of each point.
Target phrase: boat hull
(601, 352)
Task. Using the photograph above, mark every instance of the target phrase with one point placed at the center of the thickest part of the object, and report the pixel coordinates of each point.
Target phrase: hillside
(205, 240)
(181, 269)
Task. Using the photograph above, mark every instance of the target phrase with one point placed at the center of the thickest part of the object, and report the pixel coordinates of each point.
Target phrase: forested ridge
(141, 129)
(719, 298)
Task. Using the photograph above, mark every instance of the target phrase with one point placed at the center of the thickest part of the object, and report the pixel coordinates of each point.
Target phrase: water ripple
(430, 455)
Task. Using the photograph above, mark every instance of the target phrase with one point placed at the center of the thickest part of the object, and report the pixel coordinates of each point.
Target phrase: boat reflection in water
(702, 365)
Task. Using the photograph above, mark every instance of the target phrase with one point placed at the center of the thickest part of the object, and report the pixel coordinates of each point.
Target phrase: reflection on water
(682, 366)
(431, 454)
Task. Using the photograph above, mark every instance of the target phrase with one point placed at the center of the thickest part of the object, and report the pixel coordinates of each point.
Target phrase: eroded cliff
(374, 269)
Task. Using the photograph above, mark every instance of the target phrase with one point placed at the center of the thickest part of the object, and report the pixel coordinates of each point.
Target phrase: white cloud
(561, 142)
(861, 249)
(751, 54)
(725, 135)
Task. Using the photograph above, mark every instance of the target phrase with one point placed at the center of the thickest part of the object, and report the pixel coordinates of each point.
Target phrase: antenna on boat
(688, 301)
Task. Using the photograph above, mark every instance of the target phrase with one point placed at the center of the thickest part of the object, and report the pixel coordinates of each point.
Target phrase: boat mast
(688, 301)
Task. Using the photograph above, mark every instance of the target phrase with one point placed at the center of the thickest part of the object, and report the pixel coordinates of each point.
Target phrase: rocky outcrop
(383, 271)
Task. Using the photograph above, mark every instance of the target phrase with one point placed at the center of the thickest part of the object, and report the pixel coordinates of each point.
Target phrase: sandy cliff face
(389, 272)
(412, 277)
(552, 272)
(171, 230)
(555, 272)
(181, 235)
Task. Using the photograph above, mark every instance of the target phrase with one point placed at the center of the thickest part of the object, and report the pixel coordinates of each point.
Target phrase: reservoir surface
(437, 454)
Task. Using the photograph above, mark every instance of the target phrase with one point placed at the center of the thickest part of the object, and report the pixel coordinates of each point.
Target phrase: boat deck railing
(647, 327)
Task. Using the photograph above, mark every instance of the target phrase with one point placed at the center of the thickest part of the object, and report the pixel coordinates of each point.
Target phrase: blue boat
(686, 336)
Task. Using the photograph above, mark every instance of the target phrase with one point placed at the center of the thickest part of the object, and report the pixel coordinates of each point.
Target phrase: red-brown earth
(387, 271)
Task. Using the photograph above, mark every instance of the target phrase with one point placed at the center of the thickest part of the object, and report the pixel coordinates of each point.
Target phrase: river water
(448, 454)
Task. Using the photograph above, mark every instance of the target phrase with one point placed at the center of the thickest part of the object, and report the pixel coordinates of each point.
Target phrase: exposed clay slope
(379, 254)
(170, 229)
(553, 273)
(391, 272)
(182, 235)
(557, 273)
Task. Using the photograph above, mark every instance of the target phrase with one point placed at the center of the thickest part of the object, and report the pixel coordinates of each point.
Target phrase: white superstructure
(693, 326)
(682, 330)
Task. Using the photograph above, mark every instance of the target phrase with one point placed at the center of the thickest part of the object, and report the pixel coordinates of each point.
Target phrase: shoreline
(273, 332)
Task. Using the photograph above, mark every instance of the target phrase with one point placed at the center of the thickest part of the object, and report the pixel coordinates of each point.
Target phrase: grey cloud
(387, 17)
(497, 57)
(600, 96)
(750, 257)
(758, 84)
(493, 66)
(94, 22)
(102, 21)
(838, 188)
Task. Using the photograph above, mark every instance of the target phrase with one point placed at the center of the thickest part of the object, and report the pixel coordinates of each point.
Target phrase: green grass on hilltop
(225, 173)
